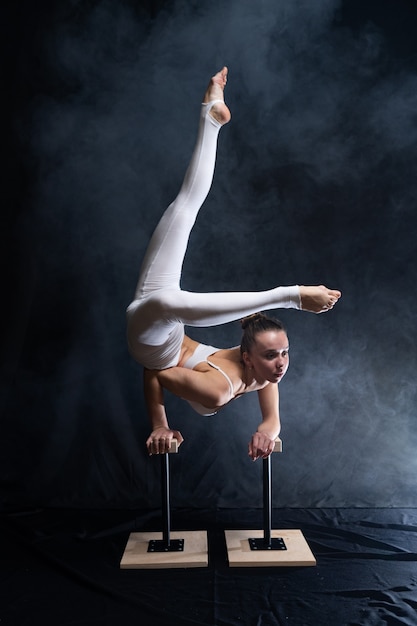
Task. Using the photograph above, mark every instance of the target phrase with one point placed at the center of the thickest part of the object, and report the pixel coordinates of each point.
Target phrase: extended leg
(163, 262)
(213, 309)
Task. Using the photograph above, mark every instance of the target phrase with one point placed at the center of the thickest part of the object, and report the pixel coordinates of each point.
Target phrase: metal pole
(165, 499)
(267, 542)
(267, 500)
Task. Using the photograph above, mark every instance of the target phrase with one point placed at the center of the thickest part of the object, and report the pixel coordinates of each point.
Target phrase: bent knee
(165, 303)
(159, 305)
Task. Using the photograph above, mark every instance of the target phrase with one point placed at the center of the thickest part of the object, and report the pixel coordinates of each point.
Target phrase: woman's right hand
(159, 441)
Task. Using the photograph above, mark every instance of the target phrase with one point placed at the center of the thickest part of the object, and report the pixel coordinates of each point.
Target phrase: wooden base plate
(297, 553)
(195, 554)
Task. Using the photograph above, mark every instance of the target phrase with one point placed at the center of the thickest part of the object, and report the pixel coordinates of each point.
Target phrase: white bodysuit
(160, 309)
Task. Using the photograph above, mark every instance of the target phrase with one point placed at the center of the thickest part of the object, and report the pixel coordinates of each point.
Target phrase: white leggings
(160, 309)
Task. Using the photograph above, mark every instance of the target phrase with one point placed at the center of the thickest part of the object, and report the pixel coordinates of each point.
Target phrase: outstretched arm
(263, 441)
(159, 441)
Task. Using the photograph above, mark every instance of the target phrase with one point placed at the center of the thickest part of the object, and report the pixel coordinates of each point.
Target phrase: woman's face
(269, 356)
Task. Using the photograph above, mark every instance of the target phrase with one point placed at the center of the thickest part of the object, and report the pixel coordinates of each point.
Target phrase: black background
(315, 183)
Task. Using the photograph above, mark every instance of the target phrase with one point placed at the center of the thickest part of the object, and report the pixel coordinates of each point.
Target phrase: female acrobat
(208, 377)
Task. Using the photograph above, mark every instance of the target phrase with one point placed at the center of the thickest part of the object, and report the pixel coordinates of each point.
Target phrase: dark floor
(61, 568)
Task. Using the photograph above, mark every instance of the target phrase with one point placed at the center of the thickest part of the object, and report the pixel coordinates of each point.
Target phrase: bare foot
(318, 299)
(214, 91)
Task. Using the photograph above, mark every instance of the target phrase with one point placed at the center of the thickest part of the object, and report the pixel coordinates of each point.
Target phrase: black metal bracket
(160, 545)
(276, 543)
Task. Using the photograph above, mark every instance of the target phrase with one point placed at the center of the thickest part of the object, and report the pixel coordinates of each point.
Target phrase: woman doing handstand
(207, 377)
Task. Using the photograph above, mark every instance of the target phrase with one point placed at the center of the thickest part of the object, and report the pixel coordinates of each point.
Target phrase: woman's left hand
(261, 445)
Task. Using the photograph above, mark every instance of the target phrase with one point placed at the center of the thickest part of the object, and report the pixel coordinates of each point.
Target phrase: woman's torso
(227, 360)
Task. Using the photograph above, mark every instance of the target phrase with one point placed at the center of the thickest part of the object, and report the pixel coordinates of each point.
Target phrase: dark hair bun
(251, 319)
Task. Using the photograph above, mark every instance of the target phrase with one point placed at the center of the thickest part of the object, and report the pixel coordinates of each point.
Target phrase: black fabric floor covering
(61, 568)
